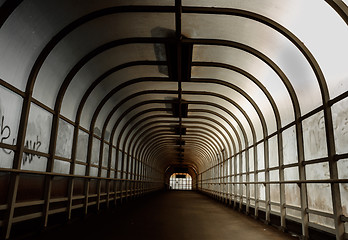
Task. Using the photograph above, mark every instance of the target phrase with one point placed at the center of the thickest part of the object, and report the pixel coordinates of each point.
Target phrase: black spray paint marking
(5, 133)
(32, 145)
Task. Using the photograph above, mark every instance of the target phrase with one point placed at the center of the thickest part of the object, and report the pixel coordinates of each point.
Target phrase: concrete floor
(166, 216)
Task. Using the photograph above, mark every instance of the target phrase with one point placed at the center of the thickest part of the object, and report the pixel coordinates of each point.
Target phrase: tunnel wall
(289, 164)
(70, 189)
(269, 181)
(53, 168)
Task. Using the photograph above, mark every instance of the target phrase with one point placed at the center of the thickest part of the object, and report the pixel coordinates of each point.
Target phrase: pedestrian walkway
(174, 215)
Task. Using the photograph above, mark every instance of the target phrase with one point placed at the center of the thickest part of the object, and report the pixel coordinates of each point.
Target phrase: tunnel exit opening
(180, 181)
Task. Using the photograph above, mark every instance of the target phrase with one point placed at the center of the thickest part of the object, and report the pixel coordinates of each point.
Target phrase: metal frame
(143, 154)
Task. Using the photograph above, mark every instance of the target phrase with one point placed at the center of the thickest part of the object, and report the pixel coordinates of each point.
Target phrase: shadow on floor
(169, 215)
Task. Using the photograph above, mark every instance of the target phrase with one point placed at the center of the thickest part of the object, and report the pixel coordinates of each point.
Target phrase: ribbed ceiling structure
(99, 88)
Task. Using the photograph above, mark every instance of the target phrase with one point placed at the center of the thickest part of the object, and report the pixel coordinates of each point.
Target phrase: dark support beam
(7, 8)
(340, 7)
(178, 12)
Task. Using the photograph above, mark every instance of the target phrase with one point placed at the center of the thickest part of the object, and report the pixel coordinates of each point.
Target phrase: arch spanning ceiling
(249, 97)
(169, 82)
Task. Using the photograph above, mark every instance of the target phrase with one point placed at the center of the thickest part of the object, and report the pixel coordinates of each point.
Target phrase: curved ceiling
(173, 82)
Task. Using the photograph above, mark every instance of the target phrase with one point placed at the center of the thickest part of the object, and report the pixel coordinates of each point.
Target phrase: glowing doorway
(181, 181)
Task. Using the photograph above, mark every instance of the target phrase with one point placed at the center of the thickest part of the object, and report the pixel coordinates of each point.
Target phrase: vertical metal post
(302, 174)
(267, 186)
(99, 181)
(235, 180)
(13, 188)
(256, 186)
(127, 176)
(122, 177)
(17, 161)
(247, 169)
(335, 189)
(281, 179)
(88, 171)
(50, 162)
(230, 181)
(72, 169)
(108, 184)
(240, 170)
(116, 174)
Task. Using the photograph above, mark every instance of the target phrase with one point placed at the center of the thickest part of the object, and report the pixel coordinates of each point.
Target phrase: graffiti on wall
(6, 135)
(32, 145)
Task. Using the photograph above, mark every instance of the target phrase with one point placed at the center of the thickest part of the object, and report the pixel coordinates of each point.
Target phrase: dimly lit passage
(171, 215)
(103, 103)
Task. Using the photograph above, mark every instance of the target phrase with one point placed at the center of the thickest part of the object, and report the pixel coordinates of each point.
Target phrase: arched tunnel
(106, 105)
